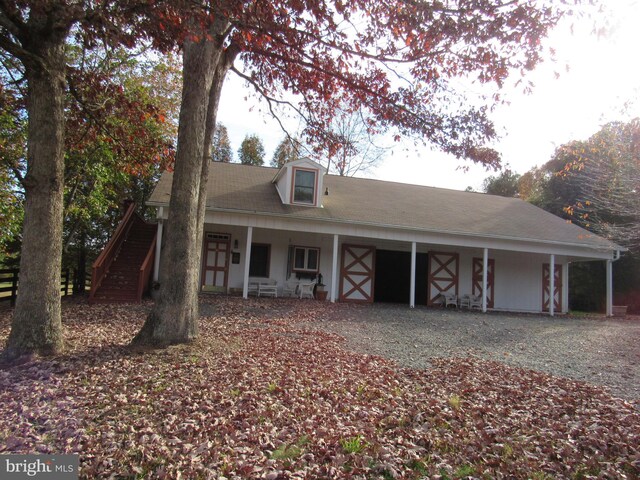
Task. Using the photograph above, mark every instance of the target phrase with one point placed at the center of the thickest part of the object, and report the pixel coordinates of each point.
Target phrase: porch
(374, 266)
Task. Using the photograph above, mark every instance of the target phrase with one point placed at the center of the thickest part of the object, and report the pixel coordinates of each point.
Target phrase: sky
(598, 76)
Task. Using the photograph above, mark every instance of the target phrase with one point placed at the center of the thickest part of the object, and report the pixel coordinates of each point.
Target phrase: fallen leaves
(260, 396)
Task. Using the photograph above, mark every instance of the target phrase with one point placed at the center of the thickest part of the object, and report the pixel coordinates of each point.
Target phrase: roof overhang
(408, 233)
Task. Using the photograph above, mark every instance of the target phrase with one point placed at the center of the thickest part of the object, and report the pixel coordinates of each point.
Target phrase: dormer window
(300, 182)
(304, 186)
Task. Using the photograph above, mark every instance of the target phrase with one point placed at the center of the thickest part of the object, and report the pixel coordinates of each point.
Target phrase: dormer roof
(304, 162)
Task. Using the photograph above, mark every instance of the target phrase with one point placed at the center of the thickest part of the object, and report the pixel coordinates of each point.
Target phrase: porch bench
(268, 287)
(253, 284)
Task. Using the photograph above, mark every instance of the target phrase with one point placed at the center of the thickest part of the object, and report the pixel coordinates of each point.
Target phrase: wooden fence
(68, 280)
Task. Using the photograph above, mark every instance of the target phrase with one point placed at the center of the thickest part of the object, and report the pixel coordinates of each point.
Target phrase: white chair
(475, 301)
(450, 299)
(306, 289)
(465, 301)
(290, 289)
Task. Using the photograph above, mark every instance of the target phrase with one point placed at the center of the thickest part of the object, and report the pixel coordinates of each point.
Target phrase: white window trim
(306, 260)
(293, 186)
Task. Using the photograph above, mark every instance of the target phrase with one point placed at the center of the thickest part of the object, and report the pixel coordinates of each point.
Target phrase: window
(304, 186)
(305, 259)
(259, 262)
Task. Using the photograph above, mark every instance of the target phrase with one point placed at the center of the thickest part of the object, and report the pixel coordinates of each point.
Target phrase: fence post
(66, 282)
(14, 287)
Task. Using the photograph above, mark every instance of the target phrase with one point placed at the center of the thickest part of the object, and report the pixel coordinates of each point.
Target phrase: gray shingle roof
(243, 188)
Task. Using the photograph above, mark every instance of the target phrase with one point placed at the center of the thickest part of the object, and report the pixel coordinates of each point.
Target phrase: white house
(382, 241)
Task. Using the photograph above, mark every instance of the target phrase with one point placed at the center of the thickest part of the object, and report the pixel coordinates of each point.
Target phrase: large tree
(288, 150)
(506, 184)
(36, 35)
(395, 59)
(354, 144)
(118, 137)
(594, 183)
(604, 172)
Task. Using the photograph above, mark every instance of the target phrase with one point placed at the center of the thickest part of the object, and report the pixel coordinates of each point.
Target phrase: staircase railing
(144, 274)
(103, 262)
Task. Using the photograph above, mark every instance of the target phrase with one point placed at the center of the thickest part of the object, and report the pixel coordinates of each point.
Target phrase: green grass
(353, 444)
(454, 401)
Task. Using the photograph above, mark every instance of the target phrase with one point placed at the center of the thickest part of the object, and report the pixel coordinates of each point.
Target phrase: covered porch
(373, 264)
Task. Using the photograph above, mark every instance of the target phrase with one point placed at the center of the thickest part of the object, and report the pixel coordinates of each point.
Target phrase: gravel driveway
(595, 350)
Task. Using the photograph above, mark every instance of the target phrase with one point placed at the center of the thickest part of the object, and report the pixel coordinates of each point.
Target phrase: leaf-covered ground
(258, 396)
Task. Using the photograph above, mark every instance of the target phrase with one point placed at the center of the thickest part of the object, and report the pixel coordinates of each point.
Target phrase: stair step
(120, 285)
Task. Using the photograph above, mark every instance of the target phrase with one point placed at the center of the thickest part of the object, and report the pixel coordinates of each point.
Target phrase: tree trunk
(37, 326)
(174, 317)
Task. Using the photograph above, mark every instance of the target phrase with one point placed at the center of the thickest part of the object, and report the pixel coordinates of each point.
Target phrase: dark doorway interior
(393, 277)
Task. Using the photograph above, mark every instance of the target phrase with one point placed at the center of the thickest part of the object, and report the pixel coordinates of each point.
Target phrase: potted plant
(319, 291)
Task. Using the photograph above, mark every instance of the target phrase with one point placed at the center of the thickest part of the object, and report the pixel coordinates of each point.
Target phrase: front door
(357, 273)
(215, 265)
(476, 288)
(557, 288)
(442, 275)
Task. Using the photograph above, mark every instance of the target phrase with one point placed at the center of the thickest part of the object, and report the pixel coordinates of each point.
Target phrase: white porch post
(156, 260)
(609, 288)
(485, 270)
(334, 270)
(412, 294)
(247, 258)
(565, 287)
(552, 284)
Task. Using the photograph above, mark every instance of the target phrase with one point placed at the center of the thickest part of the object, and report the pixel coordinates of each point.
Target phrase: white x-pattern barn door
(357, 273)
(442, 275)
(557, 287)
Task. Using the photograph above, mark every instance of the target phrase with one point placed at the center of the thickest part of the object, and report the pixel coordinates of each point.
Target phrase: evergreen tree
(288, 150)
(220, 145)
(251, 152)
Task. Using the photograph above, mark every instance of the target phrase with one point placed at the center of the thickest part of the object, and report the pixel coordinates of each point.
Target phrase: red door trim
(440, 269)
(476, 281)
(369, 273)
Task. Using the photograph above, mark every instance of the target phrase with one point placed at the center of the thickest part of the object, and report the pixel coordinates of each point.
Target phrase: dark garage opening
(393, 277)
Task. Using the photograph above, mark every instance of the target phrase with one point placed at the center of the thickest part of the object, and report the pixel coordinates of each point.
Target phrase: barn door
(442, 275)
(215, 261)
(476, 280)
(557, 290)
(357, 273)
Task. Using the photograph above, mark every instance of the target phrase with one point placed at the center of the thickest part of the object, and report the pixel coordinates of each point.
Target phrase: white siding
(518, 276)
(279, 241)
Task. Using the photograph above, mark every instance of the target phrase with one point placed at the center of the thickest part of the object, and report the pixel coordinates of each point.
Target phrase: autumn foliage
(395, 59)
(261, 394)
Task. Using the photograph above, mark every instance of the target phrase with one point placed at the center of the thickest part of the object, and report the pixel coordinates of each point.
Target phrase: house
(382, 241)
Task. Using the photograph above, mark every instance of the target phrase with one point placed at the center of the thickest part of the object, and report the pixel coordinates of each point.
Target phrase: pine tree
(220, 145)
(251, 152)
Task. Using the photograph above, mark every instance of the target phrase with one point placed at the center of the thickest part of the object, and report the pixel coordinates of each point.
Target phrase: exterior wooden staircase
(122, 272)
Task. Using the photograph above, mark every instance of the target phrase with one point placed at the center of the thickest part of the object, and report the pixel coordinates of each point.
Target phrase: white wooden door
(442, 275)
(215, 265)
